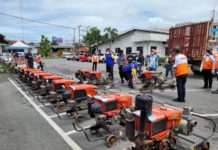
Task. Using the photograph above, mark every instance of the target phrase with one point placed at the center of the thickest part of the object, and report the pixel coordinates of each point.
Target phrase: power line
(21, 20)
(36, 21)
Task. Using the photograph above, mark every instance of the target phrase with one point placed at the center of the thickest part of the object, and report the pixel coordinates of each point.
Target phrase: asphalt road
(33, 126)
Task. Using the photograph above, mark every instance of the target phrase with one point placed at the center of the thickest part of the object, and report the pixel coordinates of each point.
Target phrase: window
(117, 50)
(128, 50)
(140, 49)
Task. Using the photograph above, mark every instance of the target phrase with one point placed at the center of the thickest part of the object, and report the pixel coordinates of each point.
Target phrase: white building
(138, 40)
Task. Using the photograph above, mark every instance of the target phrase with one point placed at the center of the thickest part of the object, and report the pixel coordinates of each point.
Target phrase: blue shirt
(109, 59)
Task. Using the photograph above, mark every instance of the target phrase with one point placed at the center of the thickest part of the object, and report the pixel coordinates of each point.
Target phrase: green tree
(93, 37)
(111, 34)
(45, 46)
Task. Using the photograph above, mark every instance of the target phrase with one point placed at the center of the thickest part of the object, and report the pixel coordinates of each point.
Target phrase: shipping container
(193, 39)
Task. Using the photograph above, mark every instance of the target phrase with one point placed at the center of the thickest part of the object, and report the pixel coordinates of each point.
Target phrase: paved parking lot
(45, 130)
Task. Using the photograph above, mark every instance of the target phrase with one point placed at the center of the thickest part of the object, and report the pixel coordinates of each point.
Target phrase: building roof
(143, 30)
(83, 49)
(166, 32)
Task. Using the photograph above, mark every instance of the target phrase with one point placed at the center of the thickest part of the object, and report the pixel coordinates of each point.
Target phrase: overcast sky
(120, 14)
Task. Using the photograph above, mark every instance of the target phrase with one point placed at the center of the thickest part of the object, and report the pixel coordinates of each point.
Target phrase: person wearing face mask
(109, 57)
(152, 64)
(207, 67)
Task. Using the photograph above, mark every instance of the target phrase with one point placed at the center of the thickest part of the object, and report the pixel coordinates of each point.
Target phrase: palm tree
(111, 34)
(93, 37)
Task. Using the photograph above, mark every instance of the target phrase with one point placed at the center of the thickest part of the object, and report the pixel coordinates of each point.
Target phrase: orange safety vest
(95, 59)
(38, 59)
(207, 63)
(182, 66)
(216, 63)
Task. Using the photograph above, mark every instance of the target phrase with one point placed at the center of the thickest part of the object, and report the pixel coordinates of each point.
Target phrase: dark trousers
(40, 66)
(181, 81)
(110, 71)
(169, 70)
(129, 74)
(121, 73)
(94, 66)
(208, 78)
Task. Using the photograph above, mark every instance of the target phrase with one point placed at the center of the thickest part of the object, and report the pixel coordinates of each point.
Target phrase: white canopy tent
(21, 47)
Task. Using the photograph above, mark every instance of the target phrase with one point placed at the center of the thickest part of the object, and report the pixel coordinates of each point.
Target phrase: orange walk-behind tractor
(158, 127)
(154, 80)
(47, 84)
(74, 99)
(108, 110)
(92, 77)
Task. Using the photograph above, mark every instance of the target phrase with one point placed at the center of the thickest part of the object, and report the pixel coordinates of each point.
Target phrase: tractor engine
(157, 127)
(148, 76)
(81, 74)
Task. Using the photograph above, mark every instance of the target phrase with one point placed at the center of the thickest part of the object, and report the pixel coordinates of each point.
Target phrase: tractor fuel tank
(144, 102)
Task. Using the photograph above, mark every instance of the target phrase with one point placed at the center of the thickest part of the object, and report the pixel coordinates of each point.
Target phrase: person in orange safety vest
(181, 72)
(216, 71)
(94, 62)
(39, 61)
(207, 67)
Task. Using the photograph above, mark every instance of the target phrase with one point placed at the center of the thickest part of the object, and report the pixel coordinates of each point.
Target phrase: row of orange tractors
(150, 127)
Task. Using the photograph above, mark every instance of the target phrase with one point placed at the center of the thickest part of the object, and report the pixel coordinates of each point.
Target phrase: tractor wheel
(79, 118)
(111, 140)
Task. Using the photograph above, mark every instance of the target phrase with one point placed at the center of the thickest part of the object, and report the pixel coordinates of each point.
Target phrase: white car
(70, 56)
(101, 57)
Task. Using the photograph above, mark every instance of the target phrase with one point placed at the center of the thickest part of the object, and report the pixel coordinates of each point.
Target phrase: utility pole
(212, 15)
(79, 33)
(74, 47)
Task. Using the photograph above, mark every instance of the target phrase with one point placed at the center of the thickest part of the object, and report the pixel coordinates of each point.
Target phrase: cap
(176, 49)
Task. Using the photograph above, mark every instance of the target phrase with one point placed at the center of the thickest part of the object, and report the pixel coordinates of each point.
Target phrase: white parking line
(71, 132)
(67, 139)
(199, 114)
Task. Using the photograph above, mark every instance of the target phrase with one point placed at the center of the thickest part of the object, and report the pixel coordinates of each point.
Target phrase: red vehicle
(74, 99)
(109, 104)
(159, 127)
(193, 39)
(108, 110)
(47, 84)
(84, 58)
(37, 79)
(50, 79)
(93, 77)
(61, 84)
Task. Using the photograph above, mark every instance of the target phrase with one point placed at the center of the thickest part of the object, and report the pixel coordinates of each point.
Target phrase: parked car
(90, 58)
(77, 56)
(70, 56)
(84, 58)
(65, 54)
(101, 57)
